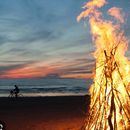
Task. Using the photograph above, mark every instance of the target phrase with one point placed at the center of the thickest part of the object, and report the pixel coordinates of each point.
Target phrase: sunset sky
(42, 37)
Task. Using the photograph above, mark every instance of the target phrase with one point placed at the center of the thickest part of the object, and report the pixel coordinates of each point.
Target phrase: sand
(44, 113)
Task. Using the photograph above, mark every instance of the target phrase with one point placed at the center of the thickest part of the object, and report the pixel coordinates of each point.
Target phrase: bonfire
(110, 91)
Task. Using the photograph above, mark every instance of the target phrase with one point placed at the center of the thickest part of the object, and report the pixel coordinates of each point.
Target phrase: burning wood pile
(110, 92)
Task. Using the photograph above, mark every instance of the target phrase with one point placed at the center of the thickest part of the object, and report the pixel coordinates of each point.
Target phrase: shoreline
(45, 94)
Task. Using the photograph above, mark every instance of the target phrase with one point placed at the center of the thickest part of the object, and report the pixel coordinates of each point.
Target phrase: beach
(44, 113)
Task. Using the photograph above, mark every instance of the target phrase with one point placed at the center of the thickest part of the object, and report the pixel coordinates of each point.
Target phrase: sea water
(46, 86)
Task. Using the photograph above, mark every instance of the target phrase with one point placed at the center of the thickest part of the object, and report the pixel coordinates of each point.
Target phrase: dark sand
(44, 113)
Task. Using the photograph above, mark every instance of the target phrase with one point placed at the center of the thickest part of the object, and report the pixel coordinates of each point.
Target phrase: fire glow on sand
(110, 92)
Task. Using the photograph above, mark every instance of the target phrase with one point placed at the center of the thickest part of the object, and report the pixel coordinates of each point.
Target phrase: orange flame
(117, 13)
(110, 93)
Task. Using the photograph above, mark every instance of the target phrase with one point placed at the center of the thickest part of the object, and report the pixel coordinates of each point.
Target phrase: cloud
(79, 66)
(45, 32)
(5, 69)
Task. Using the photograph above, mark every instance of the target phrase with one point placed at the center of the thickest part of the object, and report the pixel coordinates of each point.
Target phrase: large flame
(110, 92)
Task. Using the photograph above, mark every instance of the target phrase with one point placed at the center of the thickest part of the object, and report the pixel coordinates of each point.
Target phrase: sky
(42, 37)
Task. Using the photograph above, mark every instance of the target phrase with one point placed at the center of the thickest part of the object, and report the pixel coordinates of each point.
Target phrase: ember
(110, 93)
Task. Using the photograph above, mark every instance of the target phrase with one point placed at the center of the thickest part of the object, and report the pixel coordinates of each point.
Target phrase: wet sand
(44, 113)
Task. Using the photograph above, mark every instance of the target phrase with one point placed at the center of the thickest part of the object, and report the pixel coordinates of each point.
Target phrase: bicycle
(13, 94)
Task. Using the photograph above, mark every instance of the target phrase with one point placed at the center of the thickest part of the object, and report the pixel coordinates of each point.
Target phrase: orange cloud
(27, 72)
(79, 76)
(75, 69)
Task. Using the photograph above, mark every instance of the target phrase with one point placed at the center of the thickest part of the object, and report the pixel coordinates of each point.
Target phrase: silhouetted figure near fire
(16, 91)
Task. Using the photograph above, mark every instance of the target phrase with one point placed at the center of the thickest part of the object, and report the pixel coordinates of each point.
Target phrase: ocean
(46, 86)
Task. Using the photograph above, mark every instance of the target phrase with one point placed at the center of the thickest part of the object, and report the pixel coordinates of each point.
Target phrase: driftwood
(99, 119)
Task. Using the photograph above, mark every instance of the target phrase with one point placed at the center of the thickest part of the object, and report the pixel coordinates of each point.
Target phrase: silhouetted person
(16, 90)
